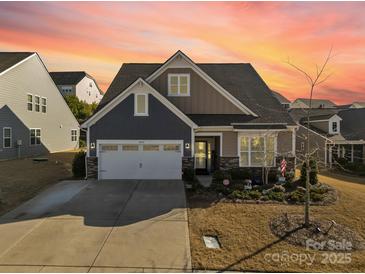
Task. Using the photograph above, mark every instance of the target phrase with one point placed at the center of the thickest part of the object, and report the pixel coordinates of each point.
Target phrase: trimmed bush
(316, 197)
(313, 179)
(276, 196)
(78, 165)
(254, 194)
(236, 194)
(296, 196)
(278, 188)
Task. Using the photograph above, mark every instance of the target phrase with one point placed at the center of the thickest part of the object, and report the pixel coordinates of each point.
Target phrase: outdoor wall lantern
(187, 145)
(92, 145)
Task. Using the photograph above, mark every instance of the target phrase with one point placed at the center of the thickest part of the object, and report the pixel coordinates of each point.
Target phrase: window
(7, 136)
(109, 147)
(334, 127)
(91, 84)
(302, 144)
(171, 148)
(44, 104)
(179, 85)
(35, 136)
(257, 150)
(37, 102)
(73, 135)
(30, 102)
(66, 89)
(140, 105)
(130, 147)
(151, 147)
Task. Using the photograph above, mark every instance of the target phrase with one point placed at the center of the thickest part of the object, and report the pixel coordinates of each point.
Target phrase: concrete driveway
(108, 226)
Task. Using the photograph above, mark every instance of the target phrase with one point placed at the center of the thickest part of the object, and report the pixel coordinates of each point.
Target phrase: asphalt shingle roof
(353, 123)
(316, 103)
(9, 59)
(280, 97)
(241, 80)
(67, 77)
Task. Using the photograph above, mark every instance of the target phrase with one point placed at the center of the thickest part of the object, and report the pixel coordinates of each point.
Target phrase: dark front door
(201, 157)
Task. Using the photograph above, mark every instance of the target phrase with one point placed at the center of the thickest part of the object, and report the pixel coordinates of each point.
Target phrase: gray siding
(284, 142)
(73, 90)
(120, 123)
(32, 77)
(203, 99)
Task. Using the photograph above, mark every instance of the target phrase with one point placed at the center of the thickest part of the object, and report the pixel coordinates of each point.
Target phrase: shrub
(82, 143)
(296, 196)
(316, 197)
(236, 194)
(254, 194)
(240, 173)
(264, 198)
(276, 196)
(318, 190)
(313, 179)
(238, 185)
(78, 165)
(277, 188)
(188, 175)
(289, 176)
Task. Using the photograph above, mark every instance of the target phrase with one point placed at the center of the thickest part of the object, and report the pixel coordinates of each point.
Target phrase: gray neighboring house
(34, 117)
(283, 101)
(157, 119)
(78, 83)
(316, 103)
(334, 133)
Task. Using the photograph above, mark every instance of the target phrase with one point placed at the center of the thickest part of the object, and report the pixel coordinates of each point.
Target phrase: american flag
(283, 167)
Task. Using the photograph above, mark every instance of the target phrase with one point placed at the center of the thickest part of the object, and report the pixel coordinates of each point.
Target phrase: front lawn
(248, 244)
(21, 180)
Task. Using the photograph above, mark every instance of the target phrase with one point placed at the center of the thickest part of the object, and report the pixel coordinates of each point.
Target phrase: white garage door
(140, 160)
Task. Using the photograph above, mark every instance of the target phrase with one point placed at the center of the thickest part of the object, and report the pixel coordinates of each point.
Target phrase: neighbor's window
(37, 103)
(73, 135)
(334, 127)
(140, 104)
(7, 136)
(44, 104)
(35, 136)
(257, 150)
(66, 89)
(30, 102)
(179, 84)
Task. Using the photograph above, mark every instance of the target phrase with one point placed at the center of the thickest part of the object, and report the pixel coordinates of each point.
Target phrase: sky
(97, 37)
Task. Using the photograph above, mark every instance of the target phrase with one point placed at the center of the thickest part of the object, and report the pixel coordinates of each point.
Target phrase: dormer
(334, 124)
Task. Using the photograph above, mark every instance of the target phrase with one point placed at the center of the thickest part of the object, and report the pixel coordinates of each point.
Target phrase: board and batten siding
(121, 124)
(203, 99)
(32, 77)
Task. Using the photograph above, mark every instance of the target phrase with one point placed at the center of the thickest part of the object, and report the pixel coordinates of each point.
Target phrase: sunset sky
(99, 36)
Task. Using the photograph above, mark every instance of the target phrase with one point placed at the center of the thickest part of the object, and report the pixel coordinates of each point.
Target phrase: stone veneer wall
(187, 162)
(226, 163)
(92, 167)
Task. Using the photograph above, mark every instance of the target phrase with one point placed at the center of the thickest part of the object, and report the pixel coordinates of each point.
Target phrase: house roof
(219, 119)
(360, 104)
(316, 103)
(280, 97)
(353, 123)
(299, 114)
(9, 59)
(240, 80)
(67, 77)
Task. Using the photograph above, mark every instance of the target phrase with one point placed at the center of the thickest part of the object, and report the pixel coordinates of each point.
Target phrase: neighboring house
(157, 119)
(334, 133)
(316, 103)
(353, 105)
(283, 101)
(34, 117)
(78, 83)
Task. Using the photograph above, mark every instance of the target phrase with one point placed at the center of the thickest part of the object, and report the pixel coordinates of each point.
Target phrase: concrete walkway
(109, 226)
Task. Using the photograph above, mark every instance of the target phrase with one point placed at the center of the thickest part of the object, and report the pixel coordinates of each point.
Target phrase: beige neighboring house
(357, 105)
(78, 83)
(34, 117)
(316, 103)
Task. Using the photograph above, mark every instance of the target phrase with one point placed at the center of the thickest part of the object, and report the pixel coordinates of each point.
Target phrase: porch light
(187, 145)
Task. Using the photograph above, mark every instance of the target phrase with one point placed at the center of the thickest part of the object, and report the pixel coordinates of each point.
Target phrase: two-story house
(333, 133)
(157, 119)
(79, 84)
(34, 117)
(316, 103)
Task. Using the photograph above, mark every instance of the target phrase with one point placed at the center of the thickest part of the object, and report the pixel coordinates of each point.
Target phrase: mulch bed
(320, 235)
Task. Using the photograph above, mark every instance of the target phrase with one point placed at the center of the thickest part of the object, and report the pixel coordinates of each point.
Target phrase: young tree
(313, 81)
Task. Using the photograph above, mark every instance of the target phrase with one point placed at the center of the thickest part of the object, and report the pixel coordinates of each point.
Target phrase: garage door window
(109, 147)
(151, 148)
(130, 147)
(171, 148)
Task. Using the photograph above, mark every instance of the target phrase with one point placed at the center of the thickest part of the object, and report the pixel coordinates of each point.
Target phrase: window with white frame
(257, 150)
(30, 102)
(179, 84)
(37, 103)
(35, 136)
(334, 127)
(7, 137)
(140, 104)
(66, 89)
(44, 104)
(73, 135)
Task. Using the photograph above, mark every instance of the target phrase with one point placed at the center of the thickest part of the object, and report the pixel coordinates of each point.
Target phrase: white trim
(214, 128)
(39, 104)
(11, 137)
(35, 136)
(42, 105)
(348, 142)
(178, 75)
(208, 134)
(192, 144)
(88, 141)
(145, 104)
(256, 124)
(17, 64)
(205, 76)
(324, 137)
(77, 136)
(117, 100)
(260, 130)
(29, 102)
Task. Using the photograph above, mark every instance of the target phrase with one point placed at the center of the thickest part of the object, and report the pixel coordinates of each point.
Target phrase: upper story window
(44, 104)
(73, 135)
(37, 103)
(179, 84)
(334, 127)
(140, 104)
(30, 102)
(7, 137)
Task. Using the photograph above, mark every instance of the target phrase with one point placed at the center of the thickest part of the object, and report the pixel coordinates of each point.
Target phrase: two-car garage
(139, 159)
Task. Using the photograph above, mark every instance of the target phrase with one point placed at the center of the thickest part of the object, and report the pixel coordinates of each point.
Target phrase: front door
(201, 159)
